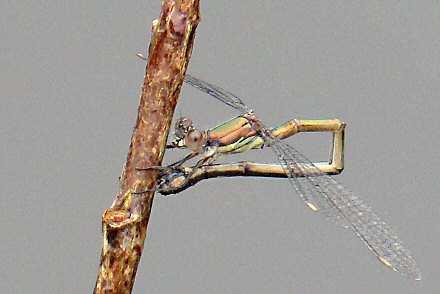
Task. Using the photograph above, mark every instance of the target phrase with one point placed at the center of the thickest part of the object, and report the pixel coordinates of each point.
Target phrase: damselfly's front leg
(176, 164)
(176, 184)
(167, 172)
(175, 176)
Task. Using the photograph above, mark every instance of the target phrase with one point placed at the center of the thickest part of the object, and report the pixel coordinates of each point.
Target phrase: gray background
(70, 85)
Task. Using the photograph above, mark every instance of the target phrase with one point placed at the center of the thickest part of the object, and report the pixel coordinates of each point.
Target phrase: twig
(124, 225)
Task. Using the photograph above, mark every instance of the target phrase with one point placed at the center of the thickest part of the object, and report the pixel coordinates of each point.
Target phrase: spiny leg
(172, 165)
(169, 175)
(208, 157)
(185, 159)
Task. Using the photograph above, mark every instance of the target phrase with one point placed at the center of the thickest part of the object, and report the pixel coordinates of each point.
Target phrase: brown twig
(124, 225)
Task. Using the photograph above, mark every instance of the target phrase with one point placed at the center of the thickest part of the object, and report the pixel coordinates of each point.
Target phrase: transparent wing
(322, 193)
(217, 92)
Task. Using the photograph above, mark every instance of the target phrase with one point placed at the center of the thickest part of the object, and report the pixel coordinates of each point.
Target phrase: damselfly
(315, 187)
(236, 136)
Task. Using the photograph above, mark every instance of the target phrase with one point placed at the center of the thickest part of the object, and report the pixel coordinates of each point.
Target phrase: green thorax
(236, 135)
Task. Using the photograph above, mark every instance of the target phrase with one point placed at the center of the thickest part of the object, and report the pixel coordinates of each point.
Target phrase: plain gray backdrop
(70, 86)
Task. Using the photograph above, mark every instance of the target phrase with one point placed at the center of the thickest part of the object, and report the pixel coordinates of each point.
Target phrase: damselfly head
(195, 139)
(182, 127)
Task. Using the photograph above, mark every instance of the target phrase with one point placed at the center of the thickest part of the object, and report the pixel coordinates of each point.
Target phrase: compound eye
(184, 124)
(181, 128)
(195, 140)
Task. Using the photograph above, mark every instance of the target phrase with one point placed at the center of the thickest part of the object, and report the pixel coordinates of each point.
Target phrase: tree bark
(124, 224)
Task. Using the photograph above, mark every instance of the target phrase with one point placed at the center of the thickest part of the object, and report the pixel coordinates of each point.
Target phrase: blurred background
(71, 83)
